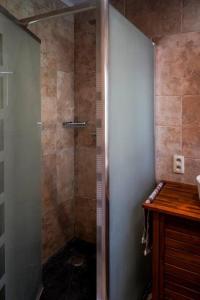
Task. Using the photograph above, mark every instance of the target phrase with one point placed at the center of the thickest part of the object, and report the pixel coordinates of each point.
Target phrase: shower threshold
(71, 273)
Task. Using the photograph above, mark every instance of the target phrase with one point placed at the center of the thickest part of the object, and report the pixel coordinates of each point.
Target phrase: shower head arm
(57, 13)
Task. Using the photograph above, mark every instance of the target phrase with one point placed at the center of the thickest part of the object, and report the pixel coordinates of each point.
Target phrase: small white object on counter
(198, 184)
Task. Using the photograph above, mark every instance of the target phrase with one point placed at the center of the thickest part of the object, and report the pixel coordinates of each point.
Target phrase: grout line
(170, 126)
(185, 95)
(182, 124)
(177, 33)
(181, 12)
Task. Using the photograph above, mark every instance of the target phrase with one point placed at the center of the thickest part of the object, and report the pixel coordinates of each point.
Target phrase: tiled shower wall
(85, 139)
(175, 27)
(57, 91)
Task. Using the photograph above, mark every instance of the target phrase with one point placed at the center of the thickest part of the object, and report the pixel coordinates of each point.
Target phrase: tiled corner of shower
(85, 139)
(57, 99)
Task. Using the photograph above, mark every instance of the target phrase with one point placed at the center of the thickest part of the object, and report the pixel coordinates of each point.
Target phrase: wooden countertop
(177, 199)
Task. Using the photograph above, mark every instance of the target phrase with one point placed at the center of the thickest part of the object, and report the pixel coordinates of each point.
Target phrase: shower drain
(76, 260)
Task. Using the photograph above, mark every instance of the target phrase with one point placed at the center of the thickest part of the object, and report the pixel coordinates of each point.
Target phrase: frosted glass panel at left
(20, 161)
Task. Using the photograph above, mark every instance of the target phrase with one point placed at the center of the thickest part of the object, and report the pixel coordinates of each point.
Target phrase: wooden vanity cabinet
(176, 242)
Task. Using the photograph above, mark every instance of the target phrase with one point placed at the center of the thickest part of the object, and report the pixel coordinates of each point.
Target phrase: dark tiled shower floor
(71, 274)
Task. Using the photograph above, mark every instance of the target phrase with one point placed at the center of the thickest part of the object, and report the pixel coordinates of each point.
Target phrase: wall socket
(179, 164)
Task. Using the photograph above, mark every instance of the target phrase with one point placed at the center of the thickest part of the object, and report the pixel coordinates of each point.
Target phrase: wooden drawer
(182, 260)
(176, 243)
(188, 248)
(184, 226)
(182, 277)
(171, 295)
(176, 291)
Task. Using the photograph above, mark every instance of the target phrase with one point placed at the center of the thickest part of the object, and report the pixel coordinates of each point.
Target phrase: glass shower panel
(20, 161)
(131, 152)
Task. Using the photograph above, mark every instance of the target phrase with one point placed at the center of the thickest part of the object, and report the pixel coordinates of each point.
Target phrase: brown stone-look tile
(169, 77)
(52, 234)
(168, 110)
(65, 174)
(191, 142)
(168, 141)
(119, 5)
(191, 15)
(155, 18)
(64, 137)
(192, 169)
(164, 169)
(65, 97)
(85, 22)
(169, 66)
(86, 168)
(190, 56)
(85, 215)
(66, 218)
(49, 110)
(191, 111)
(48, 81)
(86, 102)
(49, 187)
(85, 52)
(48, 140)
(87, 136)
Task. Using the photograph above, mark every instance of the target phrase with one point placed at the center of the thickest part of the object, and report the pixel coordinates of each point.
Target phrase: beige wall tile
(191, 142)
(65, 96)
(190, 56)
(192, 169)
(48, 141)
(49, 110)
(164, 170)
(168, 111)
(168, 141)
(191, 15)
(191, 111)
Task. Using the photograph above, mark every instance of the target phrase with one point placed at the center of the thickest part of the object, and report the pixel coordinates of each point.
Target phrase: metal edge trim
(103, 153)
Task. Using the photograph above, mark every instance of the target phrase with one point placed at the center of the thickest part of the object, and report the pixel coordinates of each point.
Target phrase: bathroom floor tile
(71, 273)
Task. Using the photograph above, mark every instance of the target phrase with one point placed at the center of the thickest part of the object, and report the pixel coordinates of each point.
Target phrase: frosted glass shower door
(131, 153)
(20, 200)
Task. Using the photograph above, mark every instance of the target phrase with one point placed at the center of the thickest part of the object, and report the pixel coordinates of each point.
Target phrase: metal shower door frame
(102, 150)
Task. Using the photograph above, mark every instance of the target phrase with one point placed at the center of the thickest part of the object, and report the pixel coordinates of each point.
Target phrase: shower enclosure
(96, 138)
(20, 217)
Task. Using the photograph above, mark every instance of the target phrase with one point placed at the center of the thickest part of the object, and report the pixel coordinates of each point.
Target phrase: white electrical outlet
(179, 164)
